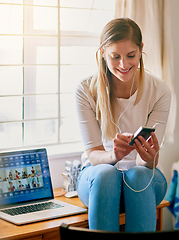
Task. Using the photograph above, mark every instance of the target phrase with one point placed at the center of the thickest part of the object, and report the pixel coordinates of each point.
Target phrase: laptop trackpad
(48, 214)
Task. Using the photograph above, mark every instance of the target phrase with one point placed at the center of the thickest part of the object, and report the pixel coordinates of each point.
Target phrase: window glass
(11, 50)
(46, 2)
(41, 106)
(69, 130)
(11, 80)
(40, 132)
(40, 50)
(41, 20)
(11, 19)
(47, 55)
(67, 106)
(91, 4)
(72, 75)
(85, 20)
(40, 79)
(11, 108)
(76, 3)
(11, 133)
(45, 18)
(77, 55)
(12, 1)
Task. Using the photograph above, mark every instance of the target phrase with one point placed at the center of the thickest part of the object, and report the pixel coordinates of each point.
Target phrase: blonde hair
(101, 85)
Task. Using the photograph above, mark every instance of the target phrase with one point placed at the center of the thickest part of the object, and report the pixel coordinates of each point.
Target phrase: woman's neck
(123, 89)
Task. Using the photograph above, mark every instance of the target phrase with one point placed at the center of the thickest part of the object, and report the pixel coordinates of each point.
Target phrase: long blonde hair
(101, 85)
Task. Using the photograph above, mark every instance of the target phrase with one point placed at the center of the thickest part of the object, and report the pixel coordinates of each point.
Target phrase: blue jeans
(101, 189)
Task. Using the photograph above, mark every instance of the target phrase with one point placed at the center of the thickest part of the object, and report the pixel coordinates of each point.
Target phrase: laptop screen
(24, 176)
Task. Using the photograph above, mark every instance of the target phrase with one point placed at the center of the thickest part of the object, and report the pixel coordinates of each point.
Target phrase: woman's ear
(102, 53)
(141, 48)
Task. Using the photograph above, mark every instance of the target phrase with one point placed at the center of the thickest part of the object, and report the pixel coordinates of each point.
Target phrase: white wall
(57, 167)
(170, 152)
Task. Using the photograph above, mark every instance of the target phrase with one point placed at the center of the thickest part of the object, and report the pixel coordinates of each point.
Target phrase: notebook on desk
(26, 193)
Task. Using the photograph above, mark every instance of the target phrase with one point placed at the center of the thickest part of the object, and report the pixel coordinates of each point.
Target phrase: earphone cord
(124, 110)
(121, 133)
(141, 190)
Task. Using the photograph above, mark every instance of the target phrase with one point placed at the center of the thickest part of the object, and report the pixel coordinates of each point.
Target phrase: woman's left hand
(148, 151)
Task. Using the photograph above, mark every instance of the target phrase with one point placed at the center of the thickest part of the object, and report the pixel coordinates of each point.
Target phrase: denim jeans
(101, 189)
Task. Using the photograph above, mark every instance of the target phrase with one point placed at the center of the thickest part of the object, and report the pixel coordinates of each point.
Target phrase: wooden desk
(50, 229)
(46, 229)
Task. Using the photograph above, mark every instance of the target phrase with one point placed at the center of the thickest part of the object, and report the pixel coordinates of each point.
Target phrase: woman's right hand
(121, 147)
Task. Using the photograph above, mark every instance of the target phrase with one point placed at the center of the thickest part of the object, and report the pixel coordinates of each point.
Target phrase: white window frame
(64, 38)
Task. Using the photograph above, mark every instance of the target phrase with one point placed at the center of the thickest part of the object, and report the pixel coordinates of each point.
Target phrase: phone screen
(144, 132)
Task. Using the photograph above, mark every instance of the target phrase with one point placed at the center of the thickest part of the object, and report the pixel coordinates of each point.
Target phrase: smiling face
(122, 59)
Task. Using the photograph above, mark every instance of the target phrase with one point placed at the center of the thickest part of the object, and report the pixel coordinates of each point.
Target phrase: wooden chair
(68, 232)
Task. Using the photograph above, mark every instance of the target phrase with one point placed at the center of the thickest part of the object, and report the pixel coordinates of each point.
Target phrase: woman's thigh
(99, 188)
(103, 178)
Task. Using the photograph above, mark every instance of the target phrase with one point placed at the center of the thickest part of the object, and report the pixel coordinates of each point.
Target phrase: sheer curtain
(153, 17)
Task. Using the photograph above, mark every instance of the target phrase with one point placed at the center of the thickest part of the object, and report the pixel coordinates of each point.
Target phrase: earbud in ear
(102, 53)
(103, 56)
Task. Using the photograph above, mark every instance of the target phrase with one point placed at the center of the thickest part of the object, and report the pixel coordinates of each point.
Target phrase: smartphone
(144, 132)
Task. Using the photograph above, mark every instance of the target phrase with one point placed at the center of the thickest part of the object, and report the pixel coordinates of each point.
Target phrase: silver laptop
(26, 193)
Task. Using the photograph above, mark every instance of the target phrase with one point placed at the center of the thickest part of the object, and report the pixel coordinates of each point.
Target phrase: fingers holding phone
(144, 132)
(121, 146)
(148, 150)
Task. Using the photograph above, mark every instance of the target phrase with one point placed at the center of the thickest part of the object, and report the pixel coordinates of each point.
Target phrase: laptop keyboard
(32, 208)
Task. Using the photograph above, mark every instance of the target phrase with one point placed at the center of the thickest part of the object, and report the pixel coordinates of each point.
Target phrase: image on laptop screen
(24, 176)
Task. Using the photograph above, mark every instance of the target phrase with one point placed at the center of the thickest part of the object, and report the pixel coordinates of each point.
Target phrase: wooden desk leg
(159, 220)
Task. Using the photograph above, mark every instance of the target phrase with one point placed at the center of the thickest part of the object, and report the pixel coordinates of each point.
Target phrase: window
(46, 48)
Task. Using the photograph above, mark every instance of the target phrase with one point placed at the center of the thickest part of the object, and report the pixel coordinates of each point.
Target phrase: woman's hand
(148, 151)
(121, 147)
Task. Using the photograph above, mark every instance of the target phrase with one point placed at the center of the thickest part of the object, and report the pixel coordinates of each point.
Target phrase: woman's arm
(86, 110)
(149, 151)
(91, 133)
(121, 148)
(98, 155)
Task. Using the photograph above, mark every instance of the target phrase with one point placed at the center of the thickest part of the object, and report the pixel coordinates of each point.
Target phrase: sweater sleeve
(86, 110)
(159, 115)
(160, 112)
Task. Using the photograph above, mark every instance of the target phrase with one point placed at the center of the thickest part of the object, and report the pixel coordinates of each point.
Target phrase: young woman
(111, 106)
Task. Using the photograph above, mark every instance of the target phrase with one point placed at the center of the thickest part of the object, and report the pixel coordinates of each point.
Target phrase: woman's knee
(138, 177)
(105, 175)
(160, 186)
